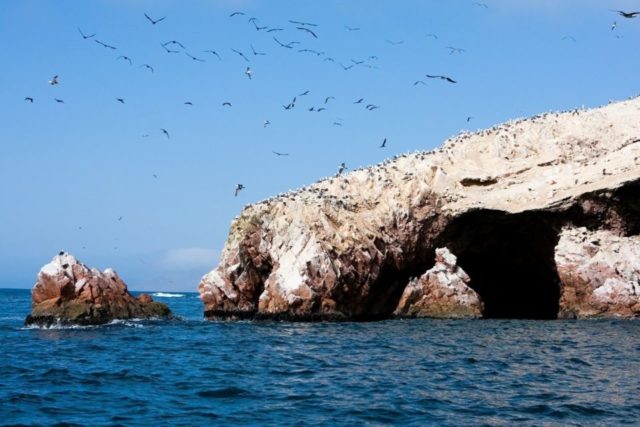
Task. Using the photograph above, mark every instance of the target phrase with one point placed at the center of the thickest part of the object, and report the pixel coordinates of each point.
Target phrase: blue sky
(70, 171)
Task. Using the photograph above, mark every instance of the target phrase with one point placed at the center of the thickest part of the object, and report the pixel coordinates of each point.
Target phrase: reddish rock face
(69, 292)
(599, 274)
(443, 291)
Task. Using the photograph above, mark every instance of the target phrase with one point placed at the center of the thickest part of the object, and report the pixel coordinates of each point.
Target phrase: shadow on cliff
(510, 259)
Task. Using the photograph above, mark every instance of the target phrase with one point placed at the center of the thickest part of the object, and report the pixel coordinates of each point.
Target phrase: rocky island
(68, 292)
(535, 218)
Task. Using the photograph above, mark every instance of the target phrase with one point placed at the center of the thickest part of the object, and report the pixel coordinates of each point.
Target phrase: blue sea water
(417, 372)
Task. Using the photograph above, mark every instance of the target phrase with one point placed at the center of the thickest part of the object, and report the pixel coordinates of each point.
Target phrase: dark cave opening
(510, 259)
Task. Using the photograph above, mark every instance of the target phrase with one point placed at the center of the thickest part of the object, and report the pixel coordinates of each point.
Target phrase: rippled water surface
(191, 372)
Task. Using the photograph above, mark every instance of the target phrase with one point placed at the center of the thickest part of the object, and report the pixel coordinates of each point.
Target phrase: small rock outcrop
(443, 291)
(68, 292)
(599, 274)
(347, 246)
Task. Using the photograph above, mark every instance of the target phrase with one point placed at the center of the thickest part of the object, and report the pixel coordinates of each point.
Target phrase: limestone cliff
(346, 247)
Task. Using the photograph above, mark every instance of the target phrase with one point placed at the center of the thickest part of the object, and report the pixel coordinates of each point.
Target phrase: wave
(167, 295)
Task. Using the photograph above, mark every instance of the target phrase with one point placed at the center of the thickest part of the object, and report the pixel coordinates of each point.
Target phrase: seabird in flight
(449, 79)
(84, 36)
(213, 52)
(241, 54)
(165, 132)
(126, 58)
(105, 45)
(308, 31)
(239, 187)
(154, 22)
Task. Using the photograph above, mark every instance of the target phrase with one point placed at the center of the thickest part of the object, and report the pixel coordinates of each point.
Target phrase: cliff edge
(498, 199)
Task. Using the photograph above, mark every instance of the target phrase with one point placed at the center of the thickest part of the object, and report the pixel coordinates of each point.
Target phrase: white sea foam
(167, 295)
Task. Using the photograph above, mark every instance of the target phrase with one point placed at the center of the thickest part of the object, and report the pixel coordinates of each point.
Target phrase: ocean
(396, 372)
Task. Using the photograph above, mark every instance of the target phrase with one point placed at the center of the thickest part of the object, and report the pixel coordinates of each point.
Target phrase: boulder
(443, 291)
(69, 292)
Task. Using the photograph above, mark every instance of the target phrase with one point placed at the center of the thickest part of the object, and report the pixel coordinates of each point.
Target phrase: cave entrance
(510, 259)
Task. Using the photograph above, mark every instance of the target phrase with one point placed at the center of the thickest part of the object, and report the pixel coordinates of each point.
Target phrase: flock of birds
(305, 28)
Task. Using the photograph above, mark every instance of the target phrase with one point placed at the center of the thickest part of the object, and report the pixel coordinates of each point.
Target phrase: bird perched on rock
(249, 72)
(239, 188)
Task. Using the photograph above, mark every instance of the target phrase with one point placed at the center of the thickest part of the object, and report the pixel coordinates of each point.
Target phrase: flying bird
(165, 133)
(235, 14)
(573, 39)
(481, 5)
(105, 45)
(239, 188)
(28, 98)
(254, 51)
(614, 25)
(120, 100)
(125, 58)
(469, 118)
(453, 50)
(266, 123)
(432, 36)
(392, 43)
(189, 103)
(84, 36)
(384, 143)
(351, 28)
(328, 98)
(213, 52)
(241, 54)
(154, 22)
(193, 57)
(418, 82)
(288, 45)
(119, 218)
(248, 72)
(372, 107)
(308, 31)
(306, 92)
(344, 67)
(359, 101)
(54, 80)
(280, 154)
(147, 66)
(449, 79)
(59, 101)
(341, 168)
(627, 15)
(226, 104)
(175, 42)
(303, 23)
